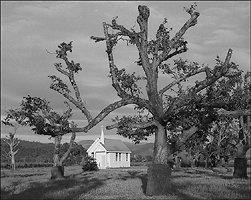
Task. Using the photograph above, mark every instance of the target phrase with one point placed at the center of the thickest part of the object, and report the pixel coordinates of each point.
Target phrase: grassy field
(119, 184)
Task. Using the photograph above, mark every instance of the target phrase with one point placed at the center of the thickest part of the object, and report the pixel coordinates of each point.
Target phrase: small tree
(37, 113)
(12, 143)
(13, 119)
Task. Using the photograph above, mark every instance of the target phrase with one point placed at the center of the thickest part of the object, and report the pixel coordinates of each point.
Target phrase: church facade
(109, 153)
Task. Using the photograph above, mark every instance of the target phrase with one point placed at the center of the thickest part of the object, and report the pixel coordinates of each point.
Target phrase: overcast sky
(29, 28)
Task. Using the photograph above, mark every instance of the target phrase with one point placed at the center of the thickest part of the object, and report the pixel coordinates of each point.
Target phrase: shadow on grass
(69, 188)
(216, 174)
(22, 175)
(8, 193)
(176, 189)
(199, 173)
(241, 189)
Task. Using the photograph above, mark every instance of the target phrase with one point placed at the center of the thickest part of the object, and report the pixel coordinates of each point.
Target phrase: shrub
(185, 164)
(89, 164)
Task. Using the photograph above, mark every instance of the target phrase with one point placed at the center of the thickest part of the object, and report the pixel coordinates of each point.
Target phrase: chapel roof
(115, 145)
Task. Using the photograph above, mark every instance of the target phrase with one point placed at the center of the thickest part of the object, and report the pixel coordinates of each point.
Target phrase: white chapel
(109, 153)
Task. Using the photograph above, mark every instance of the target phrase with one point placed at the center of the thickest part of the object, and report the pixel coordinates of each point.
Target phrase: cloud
(241, 57)
(223, 36)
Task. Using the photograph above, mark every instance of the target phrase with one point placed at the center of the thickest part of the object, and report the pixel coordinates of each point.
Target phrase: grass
(119, 184)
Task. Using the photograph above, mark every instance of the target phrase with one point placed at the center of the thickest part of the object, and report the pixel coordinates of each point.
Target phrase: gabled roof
(94, 143)
(115, 145)
(111, 145)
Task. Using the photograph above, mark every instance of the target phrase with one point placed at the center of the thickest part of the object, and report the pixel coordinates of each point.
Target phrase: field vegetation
(127, 183)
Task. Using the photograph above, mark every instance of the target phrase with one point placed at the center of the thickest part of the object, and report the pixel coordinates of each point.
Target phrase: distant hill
(143, 149)
(85, 143)
(30, 151)
(28, 144)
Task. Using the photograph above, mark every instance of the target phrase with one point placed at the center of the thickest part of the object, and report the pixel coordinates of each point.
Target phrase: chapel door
(103, 161)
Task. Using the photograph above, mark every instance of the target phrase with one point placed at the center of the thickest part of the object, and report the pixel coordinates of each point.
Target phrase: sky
(31, 28)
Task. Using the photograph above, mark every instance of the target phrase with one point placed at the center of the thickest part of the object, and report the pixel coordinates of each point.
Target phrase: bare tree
(12, 143)
(11, 140)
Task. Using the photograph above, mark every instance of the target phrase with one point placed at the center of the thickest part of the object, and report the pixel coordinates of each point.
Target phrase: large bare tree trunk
(159, 172)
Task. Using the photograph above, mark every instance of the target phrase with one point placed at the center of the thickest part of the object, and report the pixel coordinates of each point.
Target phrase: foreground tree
(156, 113)
(36, 113)
(14, 119)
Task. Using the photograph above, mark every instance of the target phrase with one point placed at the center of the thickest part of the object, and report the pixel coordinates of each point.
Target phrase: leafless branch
(49, 52)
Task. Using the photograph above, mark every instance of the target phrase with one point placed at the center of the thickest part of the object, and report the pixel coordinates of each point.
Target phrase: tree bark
(240, 162)
(159, 172)
(13, 143)
(13, 163)
(57, 171)
(240, 168)
(67, 153)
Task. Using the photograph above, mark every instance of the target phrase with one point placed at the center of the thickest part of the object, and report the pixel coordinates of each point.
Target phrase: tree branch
(109, 109)
(59, 68)
(112, 66)
(78, 104)
(15, 152)
(219, 71)
(7, 155)
(114, 75)
(72, 68)
(133, 125)
(186, 134)
(177, 81)
(66, 154)
(191, 22)
(235, 113)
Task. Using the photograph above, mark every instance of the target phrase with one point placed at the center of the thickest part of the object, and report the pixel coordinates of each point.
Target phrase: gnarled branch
(235, 113)
(191, 22)
(133, 125)
(177, 81)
